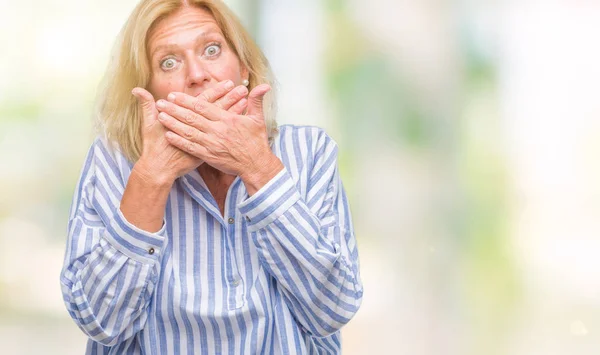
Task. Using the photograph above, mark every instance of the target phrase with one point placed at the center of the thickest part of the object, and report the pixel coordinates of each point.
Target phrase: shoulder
(102, 180)
(105, 149)
(104, 161)
(309, 142)
(308, 153)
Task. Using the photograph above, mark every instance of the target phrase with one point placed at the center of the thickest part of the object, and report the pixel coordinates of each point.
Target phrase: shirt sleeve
(110, 267)
(308, 244)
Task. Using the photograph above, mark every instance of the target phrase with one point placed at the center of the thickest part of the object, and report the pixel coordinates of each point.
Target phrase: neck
(212, 176)
(217, 182)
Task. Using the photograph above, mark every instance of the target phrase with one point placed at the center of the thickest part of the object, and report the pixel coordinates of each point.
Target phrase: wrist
(145, 197)
(261, 173)
(144, 171)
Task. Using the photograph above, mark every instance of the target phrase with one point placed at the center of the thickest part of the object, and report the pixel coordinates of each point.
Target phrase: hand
(233, 143)
(159, 158)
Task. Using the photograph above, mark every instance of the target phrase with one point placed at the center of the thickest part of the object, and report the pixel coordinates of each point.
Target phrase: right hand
(162, 161)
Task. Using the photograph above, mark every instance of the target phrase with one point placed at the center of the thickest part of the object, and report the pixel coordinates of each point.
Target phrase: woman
(197, 226)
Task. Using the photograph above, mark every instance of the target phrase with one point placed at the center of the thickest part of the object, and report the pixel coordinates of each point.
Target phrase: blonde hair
(118, 117)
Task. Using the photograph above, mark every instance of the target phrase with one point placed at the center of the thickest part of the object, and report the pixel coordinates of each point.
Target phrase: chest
(210, 263)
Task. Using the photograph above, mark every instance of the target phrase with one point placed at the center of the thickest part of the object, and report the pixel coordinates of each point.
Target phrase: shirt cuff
(270, 202)
(134, 242)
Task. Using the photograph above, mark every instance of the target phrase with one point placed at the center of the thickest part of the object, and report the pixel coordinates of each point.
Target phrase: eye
(212, 50)
(168, 64)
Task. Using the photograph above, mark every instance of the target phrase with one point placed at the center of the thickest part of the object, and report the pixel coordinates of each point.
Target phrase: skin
(202, 119)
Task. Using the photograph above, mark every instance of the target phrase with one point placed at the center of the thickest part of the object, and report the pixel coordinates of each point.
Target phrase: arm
(117, 233)
(308, 245)
(111, 266)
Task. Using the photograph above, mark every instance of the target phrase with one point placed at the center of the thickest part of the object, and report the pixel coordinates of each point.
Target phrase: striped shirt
(277, 274)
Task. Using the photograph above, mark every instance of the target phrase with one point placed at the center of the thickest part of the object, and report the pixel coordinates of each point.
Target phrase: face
(188, 53)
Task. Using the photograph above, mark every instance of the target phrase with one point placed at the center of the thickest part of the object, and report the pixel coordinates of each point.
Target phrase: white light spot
(578, 328)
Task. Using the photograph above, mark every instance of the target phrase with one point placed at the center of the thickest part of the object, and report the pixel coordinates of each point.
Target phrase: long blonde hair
(117, 115)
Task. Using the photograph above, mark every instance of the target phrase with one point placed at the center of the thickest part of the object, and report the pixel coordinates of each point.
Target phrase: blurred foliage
(371, 96)
(375, 102)
(28, 110)
(491, 283)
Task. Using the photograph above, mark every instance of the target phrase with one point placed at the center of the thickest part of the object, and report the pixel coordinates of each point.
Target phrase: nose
(197, 75)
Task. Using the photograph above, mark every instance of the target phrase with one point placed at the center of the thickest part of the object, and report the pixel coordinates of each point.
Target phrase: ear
(245, 74)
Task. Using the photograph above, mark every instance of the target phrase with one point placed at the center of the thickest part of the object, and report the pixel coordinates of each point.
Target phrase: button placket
(235, 289)
(234, 276)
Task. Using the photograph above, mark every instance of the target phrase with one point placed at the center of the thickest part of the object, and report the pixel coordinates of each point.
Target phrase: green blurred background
(469, 138)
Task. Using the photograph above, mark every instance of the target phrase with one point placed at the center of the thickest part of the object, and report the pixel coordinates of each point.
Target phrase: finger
(199, 105)
(201, 108)
(185, 145)
(146, 104)
(182, 114)
(214, 93)
(210, 95)
(239, 107)
(232, 97)
(256, 99)
(188, 132)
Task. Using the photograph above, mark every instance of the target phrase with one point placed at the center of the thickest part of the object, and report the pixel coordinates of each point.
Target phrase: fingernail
(242, 90)
(229, 85)
(162, 116)
(161, 104)
(171, 97)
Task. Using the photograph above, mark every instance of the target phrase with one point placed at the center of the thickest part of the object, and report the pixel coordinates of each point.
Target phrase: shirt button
(236, 282)
(231, 220)
(151, 251)
(247, 219)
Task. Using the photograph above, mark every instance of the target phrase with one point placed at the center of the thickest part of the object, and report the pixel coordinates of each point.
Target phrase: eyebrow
(172, 47)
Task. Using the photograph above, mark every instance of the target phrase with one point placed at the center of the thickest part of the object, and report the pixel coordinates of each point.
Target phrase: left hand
(232, 143)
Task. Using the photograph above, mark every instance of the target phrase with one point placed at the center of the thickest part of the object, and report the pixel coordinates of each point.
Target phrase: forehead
(188, 18)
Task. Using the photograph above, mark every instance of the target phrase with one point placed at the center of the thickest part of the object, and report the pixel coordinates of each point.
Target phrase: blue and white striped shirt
(278, 274)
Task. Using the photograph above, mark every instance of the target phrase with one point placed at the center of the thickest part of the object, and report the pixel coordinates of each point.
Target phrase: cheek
(226, 70)
(162, 85)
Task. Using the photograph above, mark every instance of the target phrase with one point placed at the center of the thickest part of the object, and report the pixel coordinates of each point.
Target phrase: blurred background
(470, 141)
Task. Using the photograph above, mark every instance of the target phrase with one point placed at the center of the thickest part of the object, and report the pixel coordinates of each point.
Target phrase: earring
(245, 82)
